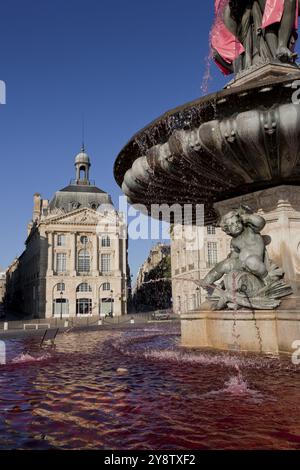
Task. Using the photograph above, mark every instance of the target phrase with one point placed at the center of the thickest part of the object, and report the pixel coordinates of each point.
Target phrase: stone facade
(75, 261)
(153, 286)
(192, 262)
(2, 289)
(157, 253)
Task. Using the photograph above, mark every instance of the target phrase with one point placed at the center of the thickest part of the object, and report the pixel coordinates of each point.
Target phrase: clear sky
(121, 63)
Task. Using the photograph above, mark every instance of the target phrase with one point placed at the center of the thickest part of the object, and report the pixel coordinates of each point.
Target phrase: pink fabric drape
(273, 13)
(222, 40)
(226, 44)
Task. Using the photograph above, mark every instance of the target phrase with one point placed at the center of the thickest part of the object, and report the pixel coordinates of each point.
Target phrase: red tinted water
(168, 399)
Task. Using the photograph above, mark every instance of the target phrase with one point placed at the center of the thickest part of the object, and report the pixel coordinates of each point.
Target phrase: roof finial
(82, 132)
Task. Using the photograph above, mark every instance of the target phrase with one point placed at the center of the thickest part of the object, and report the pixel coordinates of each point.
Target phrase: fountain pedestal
(259, 330)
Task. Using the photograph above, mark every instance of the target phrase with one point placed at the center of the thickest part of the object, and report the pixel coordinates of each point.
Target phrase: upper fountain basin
(226, 144)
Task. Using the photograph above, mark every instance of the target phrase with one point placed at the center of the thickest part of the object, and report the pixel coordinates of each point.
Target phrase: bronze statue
(251, 279)
(250, 32)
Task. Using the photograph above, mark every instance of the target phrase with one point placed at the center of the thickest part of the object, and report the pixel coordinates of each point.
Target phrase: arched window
(106, 241)
(107, 307)
(61, 287)
(82, 173)
(83, 306)
(84, 261)
(84, 287)
(106, 286)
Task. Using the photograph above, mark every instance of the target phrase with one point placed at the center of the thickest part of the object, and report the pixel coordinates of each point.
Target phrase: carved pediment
(78, 217)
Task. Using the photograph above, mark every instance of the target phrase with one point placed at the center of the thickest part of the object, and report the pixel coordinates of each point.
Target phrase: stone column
(73, 254)
(72, 302)
(117, 254)
(49, 298)
(280, 207)
(95, 251)
(50, 263)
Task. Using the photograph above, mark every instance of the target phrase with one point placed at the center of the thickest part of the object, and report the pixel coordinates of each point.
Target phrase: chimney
(45, 207)
(37, 201)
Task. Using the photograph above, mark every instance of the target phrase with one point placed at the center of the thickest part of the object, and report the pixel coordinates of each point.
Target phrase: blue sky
(121, 63)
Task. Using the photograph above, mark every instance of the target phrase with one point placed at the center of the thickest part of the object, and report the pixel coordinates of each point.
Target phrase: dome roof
(80, 193)
(75, 197)
(82, 157)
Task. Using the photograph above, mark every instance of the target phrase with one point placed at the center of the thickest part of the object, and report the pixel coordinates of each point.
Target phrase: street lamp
(111, 307)
(100, 297)
(61, 299)
(198, 295)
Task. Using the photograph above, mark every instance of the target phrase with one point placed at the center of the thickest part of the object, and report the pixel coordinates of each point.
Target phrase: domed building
(75, 261)
(80, 192)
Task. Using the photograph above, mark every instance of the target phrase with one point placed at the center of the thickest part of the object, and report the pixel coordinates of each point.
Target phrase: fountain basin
(237, 141)
(258, 331)
(238, 146)
(171, 399)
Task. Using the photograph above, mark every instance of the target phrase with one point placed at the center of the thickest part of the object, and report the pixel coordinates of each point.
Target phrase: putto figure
(250, 32)
(251, 280)
(248, 246)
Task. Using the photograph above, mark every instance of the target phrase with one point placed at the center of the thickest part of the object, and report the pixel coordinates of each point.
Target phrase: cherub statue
(248, 246)
(251, 279)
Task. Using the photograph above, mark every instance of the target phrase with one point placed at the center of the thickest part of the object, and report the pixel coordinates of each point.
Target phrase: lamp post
(111, 307)
(129, 295)
(61, 298)
(198, 296)
(100, 288)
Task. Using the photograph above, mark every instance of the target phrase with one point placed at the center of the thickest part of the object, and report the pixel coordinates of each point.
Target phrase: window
(61, 240)
(61, 262)
(61, 287)
(84, 261)
(211, 230)
(84, 240)
(106, 241)
(212, 254)
(60, 307)
(106, 286)
(83, 306)
(84, 287)
(107, 307)
(105, 263)
(94, 206)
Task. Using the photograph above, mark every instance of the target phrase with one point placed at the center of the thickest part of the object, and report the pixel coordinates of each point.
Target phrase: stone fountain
(237, 152)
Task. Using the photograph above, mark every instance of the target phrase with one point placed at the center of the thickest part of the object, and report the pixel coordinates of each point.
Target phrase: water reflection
(169, 398)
